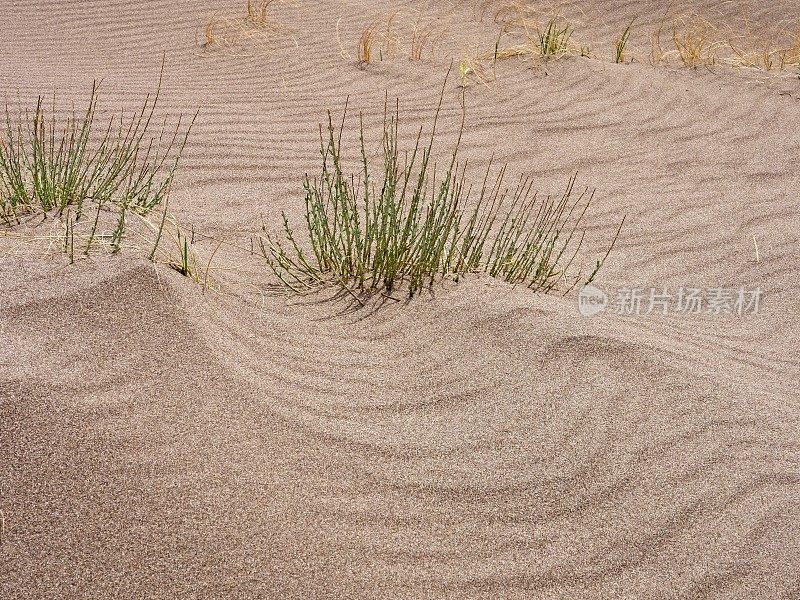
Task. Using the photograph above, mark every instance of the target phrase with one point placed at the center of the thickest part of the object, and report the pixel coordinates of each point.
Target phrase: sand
(159, 441)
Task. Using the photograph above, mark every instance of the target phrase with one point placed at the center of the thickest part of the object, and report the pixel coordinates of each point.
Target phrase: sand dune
(158, 440)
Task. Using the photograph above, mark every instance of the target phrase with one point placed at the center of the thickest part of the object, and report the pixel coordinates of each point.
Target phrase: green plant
(554, 40)
(622, 43)
(408, 225)
(185, 264)
(97, 182)
(47, 166)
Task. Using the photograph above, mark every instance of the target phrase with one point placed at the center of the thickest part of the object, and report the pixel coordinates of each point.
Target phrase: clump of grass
(48, 165)
(622, 43)
(694, 45)
(409, 224)
(554, 38)
(365, 45)
(96, 181)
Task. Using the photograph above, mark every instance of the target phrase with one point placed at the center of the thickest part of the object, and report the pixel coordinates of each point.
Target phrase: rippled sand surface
(157, 441)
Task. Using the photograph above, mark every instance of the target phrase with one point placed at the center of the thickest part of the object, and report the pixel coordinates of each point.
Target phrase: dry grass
(235, 34)
(695, 44)
(396, 35)
(366, 45)
(696, 41)
(257, 12)
(766, 56)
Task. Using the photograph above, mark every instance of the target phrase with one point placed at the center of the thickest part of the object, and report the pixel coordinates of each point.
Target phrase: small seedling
(622, 43)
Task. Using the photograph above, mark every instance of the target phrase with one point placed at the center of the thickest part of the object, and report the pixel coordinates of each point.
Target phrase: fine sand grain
(160, 440)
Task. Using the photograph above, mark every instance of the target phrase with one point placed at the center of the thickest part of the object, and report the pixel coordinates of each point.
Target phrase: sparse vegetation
(696, 41)
(97, 184)
(231, 32)
(47, 166)
(410, 225)
(553, 39)
(394, 35)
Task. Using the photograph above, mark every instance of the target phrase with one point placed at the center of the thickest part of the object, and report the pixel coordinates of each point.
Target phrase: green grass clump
(403, 225)
(622, 43)
(554, 40)
(49, 165)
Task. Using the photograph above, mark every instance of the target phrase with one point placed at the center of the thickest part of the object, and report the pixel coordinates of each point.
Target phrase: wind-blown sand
(157, 441)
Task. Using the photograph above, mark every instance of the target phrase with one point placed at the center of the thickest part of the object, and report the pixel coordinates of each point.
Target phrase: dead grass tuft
(256, 29)
(396, 35)
(366, 44)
